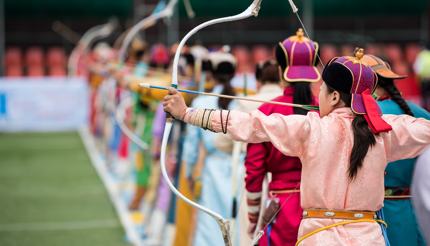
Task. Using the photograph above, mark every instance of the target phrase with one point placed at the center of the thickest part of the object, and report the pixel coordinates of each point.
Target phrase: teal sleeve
(418, 111)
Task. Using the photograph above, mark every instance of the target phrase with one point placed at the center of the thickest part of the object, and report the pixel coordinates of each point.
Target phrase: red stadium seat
(35, 71)
(34, 57)
(13, 71)
(57, 71)
(56, 57)
(13, 57)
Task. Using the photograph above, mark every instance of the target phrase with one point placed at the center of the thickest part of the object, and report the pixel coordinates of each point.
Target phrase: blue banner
(43, 104)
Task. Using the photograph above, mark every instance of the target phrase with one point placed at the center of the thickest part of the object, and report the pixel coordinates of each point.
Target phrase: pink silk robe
(324, 146)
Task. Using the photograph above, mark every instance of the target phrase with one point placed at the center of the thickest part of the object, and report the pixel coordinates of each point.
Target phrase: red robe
(263, 158)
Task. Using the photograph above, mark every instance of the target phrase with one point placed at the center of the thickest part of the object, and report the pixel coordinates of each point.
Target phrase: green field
(51, 195)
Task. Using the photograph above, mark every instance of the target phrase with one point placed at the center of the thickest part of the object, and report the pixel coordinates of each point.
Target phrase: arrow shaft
(310, 107)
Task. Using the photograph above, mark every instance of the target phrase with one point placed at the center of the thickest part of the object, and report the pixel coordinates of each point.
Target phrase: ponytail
(302, 95)
(223, 73)
(363, 138)
(227, 90)
(391, 89)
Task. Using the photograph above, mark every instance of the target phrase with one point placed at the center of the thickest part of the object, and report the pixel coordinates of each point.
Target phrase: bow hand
(174, 104)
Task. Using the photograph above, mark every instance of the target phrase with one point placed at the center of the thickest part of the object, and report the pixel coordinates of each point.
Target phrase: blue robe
(402, 225)
(216, 176)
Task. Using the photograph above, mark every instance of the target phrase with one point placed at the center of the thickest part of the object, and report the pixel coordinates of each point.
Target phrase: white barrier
(43, 104)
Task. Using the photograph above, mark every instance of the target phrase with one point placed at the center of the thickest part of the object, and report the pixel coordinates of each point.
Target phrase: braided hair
(388, 85)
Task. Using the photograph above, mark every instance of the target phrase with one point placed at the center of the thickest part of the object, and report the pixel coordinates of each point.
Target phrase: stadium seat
(57, 71)
(13, 57)
(35, 71)
(56, 57)
(34, 57)
(13, 71)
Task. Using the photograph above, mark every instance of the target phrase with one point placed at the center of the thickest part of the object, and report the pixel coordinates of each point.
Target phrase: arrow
(307, 107)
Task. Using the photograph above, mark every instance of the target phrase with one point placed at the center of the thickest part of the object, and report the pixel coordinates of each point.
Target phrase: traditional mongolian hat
(349, 74)
(223, 63)
(159, 56)
(381, 67)
(298, 54)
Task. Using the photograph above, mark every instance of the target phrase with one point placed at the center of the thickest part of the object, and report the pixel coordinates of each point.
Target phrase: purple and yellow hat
(351, 75)
(298, 55)
(381, 67)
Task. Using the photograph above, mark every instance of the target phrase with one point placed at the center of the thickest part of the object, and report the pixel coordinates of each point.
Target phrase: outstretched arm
(289, 134)
(409, 137)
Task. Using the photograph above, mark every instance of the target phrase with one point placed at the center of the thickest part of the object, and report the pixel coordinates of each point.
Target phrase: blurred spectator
(422, 69)
(420, 192)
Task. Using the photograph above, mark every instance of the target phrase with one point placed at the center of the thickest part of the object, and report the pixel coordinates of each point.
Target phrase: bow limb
(141, 25)
(144, 24)
(81, 48)
(120, 116)
(252, 10)
(189, 9)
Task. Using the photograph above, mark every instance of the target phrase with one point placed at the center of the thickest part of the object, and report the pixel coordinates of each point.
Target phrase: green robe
(143, 158)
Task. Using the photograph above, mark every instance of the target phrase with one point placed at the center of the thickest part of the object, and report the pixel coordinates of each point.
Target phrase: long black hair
(388, 85)
(223, 73)
(302, 90)
(363, 137)
(266, 72)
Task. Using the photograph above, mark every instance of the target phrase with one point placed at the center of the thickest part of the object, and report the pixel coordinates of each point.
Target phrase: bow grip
(169, 117)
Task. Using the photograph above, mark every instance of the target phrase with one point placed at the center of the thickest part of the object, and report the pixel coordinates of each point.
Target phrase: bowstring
(307, 35)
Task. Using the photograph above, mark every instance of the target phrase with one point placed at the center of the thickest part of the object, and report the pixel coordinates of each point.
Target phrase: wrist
(184, 114)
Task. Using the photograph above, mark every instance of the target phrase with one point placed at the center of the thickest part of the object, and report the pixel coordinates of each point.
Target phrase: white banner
(43, 104)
